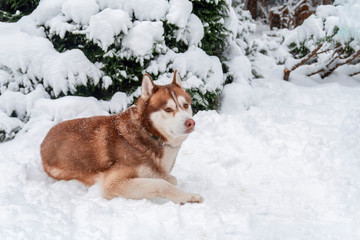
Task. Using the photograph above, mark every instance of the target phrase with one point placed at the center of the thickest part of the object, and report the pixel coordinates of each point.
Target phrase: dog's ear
(177, 79)
(147, 86)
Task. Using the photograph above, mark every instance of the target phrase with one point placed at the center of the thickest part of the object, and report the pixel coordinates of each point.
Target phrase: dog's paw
(171, 179)
(192, 198)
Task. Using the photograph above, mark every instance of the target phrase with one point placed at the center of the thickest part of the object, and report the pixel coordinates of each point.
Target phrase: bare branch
(328, 71)
(353, 74)
(302, 62)
(336, 49)
(318, 71)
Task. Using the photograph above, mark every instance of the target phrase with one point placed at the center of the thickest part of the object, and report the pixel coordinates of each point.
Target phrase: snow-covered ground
(286, 168)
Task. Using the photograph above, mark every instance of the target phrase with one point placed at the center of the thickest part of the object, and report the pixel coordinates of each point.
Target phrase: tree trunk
(253, 8)
(326, 2)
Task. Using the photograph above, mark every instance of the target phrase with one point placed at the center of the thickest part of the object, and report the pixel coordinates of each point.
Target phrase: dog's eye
(186, 105)
(168, 110)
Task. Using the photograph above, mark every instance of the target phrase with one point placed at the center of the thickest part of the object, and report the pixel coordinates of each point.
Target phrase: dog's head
(167, 112)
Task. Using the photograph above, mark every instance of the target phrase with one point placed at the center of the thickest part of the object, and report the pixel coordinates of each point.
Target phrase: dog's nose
(190, 124)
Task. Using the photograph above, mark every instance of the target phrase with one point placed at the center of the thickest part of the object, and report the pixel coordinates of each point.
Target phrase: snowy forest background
(276, 95)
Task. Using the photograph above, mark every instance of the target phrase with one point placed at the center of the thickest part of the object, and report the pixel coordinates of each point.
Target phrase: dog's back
(79, 148)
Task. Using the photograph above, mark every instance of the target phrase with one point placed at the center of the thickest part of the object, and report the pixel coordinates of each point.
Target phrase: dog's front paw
(192, 198)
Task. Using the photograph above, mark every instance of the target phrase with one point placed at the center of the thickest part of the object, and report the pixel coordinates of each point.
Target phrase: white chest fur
(169, 157)
(166, 162)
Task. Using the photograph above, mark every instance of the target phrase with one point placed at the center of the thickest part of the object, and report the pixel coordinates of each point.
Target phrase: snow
(21, 104)
(347, 13)
(47, 10)
(72, 68)
(237, 96)
(9, 126)
(104, 26)
(196, 61)
(191, 29)
(192, 65)
(287, 168)
(32, 60)
(179, 12)
(80, 11)
(194, 31)
(142, 37)
(150, 10)
(341, 16)
(125, 5)
(118, 103)
(60, 26)
(311, 28)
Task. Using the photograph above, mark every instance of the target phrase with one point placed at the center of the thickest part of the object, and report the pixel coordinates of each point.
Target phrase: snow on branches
(326, 41)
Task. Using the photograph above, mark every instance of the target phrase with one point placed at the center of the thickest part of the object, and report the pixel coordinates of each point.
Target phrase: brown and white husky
(131, 153)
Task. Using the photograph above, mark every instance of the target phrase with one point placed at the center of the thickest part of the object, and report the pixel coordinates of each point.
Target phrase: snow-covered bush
(9, 126)
(327, 40)
(102, 47)
(127, 38)
(120, 40)
(15, 111)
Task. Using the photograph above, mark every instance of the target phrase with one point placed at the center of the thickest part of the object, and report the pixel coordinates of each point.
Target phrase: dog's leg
(171, 179)
(140, 188)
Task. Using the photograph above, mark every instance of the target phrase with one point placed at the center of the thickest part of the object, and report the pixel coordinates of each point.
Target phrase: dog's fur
(131, 153)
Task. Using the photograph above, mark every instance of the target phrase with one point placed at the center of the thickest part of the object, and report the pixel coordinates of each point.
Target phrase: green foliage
(330, 37)
(8, 17)
(348, 49)
(170, 39)
(204, 101)
(76, 41)
(256, 74)
(8, 135)
(13, 10)
(299, 51)
(125, 73)
(24, 6)
(212, 15)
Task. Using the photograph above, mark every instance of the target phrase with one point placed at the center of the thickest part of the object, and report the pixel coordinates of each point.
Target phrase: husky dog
(131, 153)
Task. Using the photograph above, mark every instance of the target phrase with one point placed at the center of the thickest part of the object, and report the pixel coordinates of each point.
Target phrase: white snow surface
(80, 11)
(179, 12)
(150, 10)
(142, 37)
(30, 58)
(286, 168)
(193, 65)
(104, 26)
